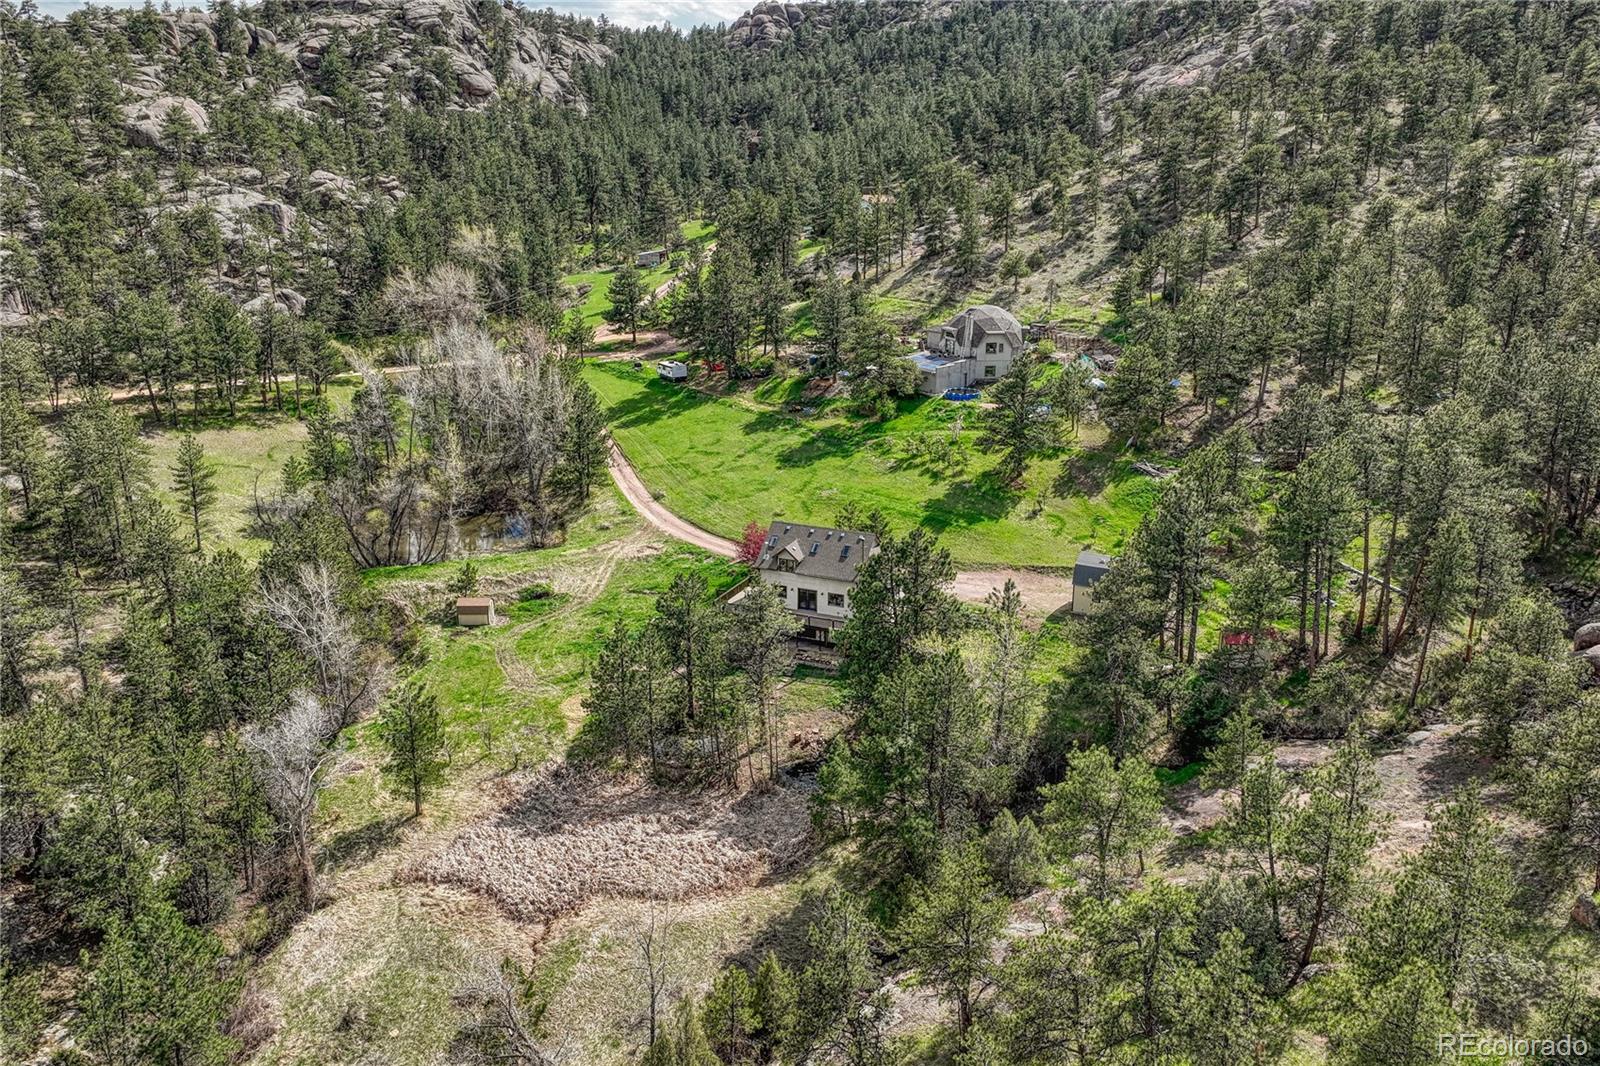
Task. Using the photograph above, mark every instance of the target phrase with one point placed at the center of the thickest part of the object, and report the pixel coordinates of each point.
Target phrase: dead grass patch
(571, 838)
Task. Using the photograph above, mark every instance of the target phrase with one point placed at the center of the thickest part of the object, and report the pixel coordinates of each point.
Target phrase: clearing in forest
(721, 462)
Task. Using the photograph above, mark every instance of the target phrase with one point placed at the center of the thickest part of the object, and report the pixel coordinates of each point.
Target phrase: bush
(465, 582)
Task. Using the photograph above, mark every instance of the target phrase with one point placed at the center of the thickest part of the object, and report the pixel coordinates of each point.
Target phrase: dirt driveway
(1042, 594)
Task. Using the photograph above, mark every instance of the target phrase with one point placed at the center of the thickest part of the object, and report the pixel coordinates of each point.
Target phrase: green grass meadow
(722, 462)
(597, 300)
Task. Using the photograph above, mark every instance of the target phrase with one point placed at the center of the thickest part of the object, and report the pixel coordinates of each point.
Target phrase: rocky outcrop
(146, 120)
(770, 22)
(1587, 636)
(1586, 913)
(409, 34)
(287, 302)
(234, 208)
(766, 25)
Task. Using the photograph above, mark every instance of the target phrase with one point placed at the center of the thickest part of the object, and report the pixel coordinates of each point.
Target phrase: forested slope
(1319, 781)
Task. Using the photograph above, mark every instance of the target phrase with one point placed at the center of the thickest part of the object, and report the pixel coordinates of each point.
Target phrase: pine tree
(1014, 851)
(413, 737)
(730, 1019)
(1105, 812)
(156, 992)
(950, 926)
(772, 1002)
(626, 295)
(1226, 1012)
(194, 483)
(1398, 1023)
(1020, 424)
(1327, 840)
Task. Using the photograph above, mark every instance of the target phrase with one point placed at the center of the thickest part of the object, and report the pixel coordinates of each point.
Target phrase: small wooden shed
(474, 611)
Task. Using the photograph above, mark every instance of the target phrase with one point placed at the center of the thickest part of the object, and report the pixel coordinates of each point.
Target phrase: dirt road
(1042, 594)
(635, 492)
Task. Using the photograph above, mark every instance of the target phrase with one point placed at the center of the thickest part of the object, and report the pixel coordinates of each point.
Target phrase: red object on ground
(1238, 640)
(716, 366)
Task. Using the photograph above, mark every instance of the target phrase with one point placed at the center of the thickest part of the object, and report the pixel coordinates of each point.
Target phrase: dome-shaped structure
(974, 323)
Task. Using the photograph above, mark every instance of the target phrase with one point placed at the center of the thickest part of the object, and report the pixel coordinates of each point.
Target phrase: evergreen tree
(1020, 424)
(414, 740)
(194, 481)
(156, 992)
(626, 296)
(1107, 813)
(950, 927)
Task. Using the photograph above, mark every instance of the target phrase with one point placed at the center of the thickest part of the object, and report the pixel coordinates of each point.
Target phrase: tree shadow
(828, 443)
(971, 501)
(653, 404)
(361, 843)
(771, 422)
(1082, 474)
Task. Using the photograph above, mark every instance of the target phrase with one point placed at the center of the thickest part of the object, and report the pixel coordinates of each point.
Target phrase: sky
(684, 14)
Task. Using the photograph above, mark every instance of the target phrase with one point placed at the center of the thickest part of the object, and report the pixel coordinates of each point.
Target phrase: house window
(991, 347)
(835, 599)
(783, 592)
(807, 599)
(988, 371)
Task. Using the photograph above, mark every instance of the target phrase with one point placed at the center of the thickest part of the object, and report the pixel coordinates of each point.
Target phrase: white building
(814, 569)
(975, 347)
(1087, 571)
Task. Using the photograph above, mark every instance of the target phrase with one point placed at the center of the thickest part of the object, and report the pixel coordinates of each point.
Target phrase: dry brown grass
(569, 839)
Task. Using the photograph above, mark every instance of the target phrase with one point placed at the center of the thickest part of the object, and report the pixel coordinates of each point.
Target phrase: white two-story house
(814, 568)
(976, 346)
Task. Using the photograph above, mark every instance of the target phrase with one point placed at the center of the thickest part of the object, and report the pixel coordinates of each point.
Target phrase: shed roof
(1090, 567)
(815, 551)
(473, 603)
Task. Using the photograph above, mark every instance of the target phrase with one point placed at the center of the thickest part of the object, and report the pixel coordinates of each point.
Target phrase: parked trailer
(672, 370)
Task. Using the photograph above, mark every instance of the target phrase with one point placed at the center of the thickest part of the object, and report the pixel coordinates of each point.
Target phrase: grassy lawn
(597, 299)
(722, 463)
(511, 679)
(253, 445)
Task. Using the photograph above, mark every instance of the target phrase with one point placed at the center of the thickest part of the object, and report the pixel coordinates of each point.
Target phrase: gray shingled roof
(1090, 567)
(987, 319)
(822, 551)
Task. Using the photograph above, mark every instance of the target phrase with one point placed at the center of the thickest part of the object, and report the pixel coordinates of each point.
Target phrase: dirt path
(651, 344)
(1042, 594)
(635, 492)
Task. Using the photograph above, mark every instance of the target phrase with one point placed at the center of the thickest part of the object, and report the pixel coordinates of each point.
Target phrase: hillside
(488, 573)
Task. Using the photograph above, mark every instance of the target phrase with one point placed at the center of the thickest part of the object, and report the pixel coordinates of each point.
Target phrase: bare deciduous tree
(447, 294)
(506, 1016)
(308, 609)
(291, 756)
(654, 960)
